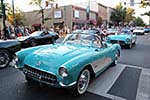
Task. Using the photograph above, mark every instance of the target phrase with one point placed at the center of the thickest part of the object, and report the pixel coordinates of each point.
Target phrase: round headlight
(63, 72)
(16, 59)
(128, 40)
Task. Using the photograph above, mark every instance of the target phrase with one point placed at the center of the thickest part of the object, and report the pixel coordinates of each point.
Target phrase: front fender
(76, 65)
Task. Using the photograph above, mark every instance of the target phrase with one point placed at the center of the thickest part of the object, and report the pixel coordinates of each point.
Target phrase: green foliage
(129, 15)
(38, 3)
(145, 3)
(99, 21)
(146, 13)
(119, 15)
(122, 15)
(139, 22)
(18, 14)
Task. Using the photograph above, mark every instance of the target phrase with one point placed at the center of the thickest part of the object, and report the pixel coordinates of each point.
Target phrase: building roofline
(102, 5)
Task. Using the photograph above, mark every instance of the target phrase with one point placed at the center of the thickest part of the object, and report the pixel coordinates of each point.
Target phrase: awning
(93, 22)
(36, 25)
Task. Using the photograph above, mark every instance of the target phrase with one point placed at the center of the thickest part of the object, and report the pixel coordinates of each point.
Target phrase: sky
(24, 5)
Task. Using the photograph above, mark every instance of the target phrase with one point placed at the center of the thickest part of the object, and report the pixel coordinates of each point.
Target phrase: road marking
(105, 81)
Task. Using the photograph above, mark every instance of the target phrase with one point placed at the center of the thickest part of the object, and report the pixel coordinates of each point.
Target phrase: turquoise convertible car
(70, 64)
(124, 38)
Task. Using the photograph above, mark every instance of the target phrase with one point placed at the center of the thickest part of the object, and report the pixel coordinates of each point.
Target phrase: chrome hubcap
(33, 42)
(83, 81)
(4, 59)
(116, 58)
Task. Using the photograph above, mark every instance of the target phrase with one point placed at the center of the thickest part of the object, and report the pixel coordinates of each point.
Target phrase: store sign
(58, 14)
(76, 14)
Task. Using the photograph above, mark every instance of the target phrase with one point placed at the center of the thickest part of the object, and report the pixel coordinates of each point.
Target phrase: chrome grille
(117, 41)
(40, 75)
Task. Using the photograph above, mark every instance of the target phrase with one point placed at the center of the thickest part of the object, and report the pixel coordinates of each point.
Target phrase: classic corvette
(126, 37)
(38, 37)
(70, 64)
(7, 50)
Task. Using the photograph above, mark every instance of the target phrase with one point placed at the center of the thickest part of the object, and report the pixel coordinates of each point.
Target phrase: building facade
(102, 12)
(62, 16)
(109, 12)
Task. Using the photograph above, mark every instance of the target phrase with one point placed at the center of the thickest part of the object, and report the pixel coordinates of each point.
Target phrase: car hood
(52, 57)
(8, 43)
(119, 37)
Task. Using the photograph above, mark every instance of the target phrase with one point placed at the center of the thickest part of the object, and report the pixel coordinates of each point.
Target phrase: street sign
(131, 2)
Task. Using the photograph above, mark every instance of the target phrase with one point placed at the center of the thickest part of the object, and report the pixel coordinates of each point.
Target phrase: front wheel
(82, 82)
(33, 42)
(115, 62)
(130, 45)
(5, 58)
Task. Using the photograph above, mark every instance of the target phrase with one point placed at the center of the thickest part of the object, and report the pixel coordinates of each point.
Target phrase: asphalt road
(13, 85)
(139, 55)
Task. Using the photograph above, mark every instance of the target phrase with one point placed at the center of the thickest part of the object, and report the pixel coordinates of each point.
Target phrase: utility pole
(88, 10)
(42, 10)
(3, 15)
(14, 17)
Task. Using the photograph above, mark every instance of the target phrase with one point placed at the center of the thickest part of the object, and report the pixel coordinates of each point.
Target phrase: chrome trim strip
(101, 63)
(71, 84)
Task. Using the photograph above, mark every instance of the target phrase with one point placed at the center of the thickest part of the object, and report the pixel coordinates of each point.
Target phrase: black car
(37, 38)
(7, 51)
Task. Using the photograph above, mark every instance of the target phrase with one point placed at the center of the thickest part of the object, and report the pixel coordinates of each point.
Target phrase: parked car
(147, 30)
(125, 38)
(111, 31)
(37, 38)
(7, 51)
(70, 64)
(139, 31)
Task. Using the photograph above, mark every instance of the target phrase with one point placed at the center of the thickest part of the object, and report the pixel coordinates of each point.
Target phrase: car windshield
(83, 39)
(36, 33)
(126, 32)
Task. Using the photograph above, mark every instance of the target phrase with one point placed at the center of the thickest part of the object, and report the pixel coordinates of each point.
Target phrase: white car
(139, 31)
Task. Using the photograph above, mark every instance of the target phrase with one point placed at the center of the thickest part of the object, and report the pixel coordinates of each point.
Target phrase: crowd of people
(12, 33)
(9, 32)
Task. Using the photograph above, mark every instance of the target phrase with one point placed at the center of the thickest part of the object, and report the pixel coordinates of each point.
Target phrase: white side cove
(101, 63)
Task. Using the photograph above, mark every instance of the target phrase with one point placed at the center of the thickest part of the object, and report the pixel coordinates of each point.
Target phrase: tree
(39, 3)
(145, 4)
(122, 15)
(18, 14)
(118, 17)
(129, 15)
(139, 22)
(99, 21)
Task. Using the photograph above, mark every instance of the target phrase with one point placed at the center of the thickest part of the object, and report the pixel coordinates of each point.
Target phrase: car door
(45, 37)
(102, 58)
